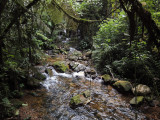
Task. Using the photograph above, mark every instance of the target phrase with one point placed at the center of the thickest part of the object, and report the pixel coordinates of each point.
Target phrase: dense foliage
(136, 60)
(124, 37)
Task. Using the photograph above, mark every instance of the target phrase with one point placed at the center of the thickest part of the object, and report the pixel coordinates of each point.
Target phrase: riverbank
(53, 100)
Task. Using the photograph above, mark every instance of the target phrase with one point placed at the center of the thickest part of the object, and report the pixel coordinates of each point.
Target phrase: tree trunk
(145, 17)
(132, 25)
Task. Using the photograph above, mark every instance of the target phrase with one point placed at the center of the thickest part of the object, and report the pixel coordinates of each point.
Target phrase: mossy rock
(137, 100)
(107, 78)
(80, 99)
(16, 103)
(123, 85)
(60, 66)
(76, 100)
(87, 93)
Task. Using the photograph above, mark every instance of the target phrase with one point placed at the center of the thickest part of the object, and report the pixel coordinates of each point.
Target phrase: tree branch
(15, 18)
(79, 20)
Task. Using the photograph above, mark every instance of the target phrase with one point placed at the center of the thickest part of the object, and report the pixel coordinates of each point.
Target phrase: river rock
(72, 57)
(137, 100)
(84, 58)
(90, 71)
(141, 90)
(87, 93)
(60, 66)
(77, 100)
(80, 67)
(75, 52)
(88, 54)
(80, 99)
(73, 65)
(106, 78)
(123, 85)
(80, 58)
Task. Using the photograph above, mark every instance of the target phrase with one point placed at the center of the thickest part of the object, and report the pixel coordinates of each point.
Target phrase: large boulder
(137, 100)
(80, 67)
(60, 66)
(77, 66)
(75, 52)
(141, 90)
(123, 85)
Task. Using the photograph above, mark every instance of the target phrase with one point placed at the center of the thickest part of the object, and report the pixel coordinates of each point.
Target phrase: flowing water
(106, 103)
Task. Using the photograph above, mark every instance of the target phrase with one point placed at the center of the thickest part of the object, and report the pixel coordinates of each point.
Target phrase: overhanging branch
(13, 21)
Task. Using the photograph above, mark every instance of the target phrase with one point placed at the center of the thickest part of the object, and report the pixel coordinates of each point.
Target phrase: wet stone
(141, 90)
(123, 85)
(137, 100)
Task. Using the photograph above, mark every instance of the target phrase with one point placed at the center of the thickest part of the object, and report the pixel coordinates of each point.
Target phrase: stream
(106, 103)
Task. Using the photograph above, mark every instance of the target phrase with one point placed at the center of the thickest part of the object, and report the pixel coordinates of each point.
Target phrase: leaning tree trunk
(147, 21)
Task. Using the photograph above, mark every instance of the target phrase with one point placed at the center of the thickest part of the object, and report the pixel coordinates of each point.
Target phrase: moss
(123, 85)
(86, 93)
(137, 100)
(60, 66)
(106, 78)
(75, 100)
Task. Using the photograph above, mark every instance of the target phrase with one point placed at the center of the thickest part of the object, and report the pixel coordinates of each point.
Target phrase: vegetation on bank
(124, 37)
